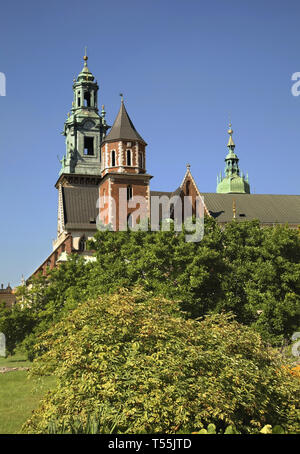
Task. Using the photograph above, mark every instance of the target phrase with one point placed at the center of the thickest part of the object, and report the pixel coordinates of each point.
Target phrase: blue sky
(184, 67)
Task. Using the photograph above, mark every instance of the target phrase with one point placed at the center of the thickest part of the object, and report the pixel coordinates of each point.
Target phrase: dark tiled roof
(268, 208)
(80, 207)
(123, 128)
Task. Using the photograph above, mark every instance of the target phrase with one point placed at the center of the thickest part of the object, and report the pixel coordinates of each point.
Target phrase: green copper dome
(232, 182)
(233, 185)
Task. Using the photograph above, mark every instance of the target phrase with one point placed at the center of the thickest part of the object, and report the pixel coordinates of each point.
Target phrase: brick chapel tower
(124, 187)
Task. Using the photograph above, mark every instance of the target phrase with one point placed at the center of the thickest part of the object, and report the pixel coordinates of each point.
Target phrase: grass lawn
(18, 394)
(17, 360)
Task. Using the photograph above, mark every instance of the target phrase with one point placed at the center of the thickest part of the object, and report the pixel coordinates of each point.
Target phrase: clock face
(88, 125)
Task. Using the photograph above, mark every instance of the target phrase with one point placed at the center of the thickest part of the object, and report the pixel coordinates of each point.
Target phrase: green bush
(135, 355)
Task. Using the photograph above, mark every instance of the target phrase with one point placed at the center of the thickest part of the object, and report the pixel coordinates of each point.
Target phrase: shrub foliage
(133, 357)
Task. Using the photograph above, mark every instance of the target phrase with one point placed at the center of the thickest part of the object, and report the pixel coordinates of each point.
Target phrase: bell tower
(84, 128)
(79, 176)
(124, 177)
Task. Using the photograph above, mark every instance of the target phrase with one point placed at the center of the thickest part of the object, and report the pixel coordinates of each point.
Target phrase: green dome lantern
(232, 182)
(85, 74)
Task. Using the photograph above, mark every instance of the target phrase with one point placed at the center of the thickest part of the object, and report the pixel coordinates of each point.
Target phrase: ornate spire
(233, 181)
(85, 74)
(231, 143)
(232, 161)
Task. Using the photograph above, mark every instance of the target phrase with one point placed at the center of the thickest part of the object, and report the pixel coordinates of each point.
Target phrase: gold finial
(230, 132)
(188, 166)
(234, 209)
(122, 97)
(85, 57)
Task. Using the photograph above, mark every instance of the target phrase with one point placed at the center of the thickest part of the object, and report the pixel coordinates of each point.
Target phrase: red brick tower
(124, 188)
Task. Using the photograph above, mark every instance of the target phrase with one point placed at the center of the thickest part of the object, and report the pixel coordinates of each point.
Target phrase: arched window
(128, 157)
(88, 146)
(87, 99)
(187, 187)
(82, 244)
(129, 192)
(141, 160)
(113, 158)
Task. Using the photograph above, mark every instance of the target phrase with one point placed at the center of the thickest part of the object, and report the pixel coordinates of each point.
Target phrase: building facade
(7, 296)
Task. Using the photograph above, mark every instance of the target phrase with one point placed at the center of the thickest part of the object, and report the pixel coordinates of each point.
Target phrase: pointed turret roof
(123, 128)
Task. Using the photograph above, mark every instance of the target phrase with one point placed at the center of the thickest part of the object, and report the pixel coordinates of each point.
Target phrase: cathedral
(102, 161)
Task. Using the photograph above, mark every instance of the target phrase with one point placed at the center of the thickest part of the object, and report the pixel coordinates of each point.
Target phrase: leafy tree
(263, 285)
(134, 355)
(164, 263)
(15, 324)
(43, 302)
(251, 271)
